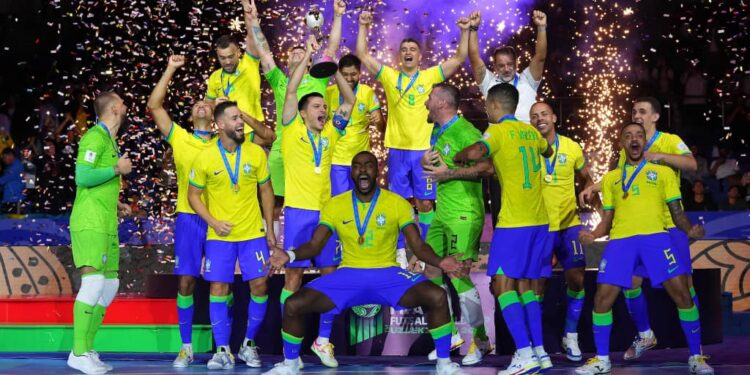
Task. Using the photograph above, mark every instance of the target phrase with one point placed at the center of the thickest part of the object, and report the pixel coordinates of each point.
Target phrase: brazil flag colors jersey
(95, 208)
(665, 143)
(278, 82)
(305, 187)
(185, 148)
(242, 86)
(515, 148)
(239, 207)
(457, 196)
(641, 212)
(357, 137)
(407, 127)
(378, 250)
(560, 193)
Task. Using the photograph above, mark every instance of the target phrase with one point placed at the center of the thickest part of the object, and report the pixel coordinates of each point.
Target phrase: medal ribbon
(436, 135)
(626, 187)
(317, 152)
(114, 144)
(652, 140)
(551, 165)
(411, 83)
(233, 176)
(362, 228)
(228, 89)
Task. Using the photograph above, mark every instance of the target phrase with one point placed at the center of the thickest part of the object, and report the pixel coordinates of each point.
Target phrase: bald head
(104, 102)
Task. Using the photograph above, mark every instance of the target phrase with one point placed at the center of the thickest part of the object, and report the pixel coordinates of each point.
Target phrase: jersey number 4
(531, 162)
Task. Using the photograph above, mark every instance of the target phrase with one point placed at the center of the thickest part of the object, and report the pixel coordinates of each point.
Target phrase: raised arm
(454, 62)
(263, 134)
(478, 68)
(258, 40)
(334, 40)
(347, 95)
(536, 66)
(681, 221)
(363, 52)
(250, 13)
(156, 100)
(290, 101)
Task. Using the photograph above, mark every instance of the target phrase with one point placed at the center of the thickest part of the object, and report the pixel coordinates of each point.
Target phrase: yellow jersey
(307, 186)
(560, 193)
(665, 143)
(185, 147)
(642, 211)
(237, 206)
(389, 217)
(515, 148)
(357, 136)
(407, 127)
(242, 86)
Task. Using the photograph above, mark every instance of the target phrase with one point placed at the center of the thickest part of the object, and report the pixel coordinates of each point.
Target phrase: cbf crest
(562, 158)
(325, 143)
(651, 176)
(380, 220)
(246, 168)
(361, 107)
(446, 149)
(420, 89)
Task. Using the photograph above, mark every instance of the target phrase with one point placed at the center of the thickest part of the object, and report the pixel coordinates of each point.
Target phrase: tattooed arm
(681, 221)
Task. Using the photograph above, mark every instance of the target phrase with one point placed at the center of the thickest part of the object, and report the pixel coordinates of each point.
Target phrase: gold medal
(548, 178)
(625, 196)
(236, 188)
(361, 240)
(317, 170)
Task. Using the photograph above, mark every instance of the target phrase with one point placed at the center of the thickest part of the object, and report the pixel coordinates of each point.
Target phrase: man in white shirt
(505, 65)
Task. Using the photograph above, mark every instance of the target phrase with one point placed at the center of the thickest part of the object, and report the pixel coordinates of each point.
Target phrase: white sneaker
(595, 366)
(638, 347)
(451, 368)
(85, 363)
(325, 353)
(300, 364)
(281, 368)
(221, 361)
(570, 345)
(545, 363)
(698, 365)
(456, 342)
(184, 357)
(98, 361)
(249, 354)
(521, 365)
(477, 350)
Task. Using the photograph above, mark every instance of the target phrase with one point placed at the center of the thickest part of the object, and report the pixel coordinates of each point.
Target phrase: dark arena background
(56, 56)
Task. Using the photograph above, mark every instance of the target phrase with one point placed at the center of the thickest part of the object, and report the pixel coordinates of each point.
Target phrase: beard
(240, 139)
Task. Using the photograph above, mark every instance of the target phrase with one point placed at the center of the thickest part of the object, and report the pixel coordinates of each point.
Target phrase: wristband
(473, 28)
(292, 256)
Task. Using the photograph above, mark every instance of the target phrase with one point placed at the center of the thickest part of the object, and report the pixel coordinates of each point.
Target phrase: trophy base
(323, 69)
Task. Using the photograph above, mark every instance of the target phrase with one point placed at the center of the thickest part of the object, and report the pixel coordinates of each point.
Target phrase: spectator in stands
(702, 172)
(734, 200)
(11, 182)
(699, 200)
(5, 140)
(723, 167)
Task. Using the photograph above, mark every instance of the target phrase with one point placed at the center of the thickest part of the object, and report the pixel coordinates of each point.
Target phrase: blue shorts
(221, 257)
(189, 240)
(681, 249)
(347, 287)
(405, 175)
(299, 226)
(653, 251)
(341, 179)
(568, 251)
(519, 253)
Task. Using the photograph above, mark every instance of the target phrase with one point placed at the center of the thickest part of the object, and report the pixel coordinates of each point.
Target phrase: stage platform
(727, 358)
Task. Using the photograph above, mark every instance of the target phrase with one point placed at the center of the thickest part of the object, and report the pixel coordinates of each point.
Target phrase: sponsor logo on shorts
(208, 265)
(602, 265)
(380, 220)
(176, 261)
(673, 269)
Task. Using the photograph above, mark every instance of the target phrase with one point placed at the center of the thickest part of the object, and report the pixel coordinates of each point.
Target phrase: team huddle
(321, 173)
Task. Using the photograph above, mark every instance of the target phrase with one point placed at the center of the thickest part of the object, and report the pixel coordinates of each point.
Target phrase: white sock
(321, 340)
(646, 334)
(188, 346)
(539, 350)
(603, 358)
(572, 335)
(526, 352)
(471, 308)
(443, 362)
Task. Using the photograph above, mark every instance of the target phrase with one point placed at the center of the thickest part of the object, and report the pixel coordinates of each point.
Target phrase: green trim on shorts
(689, 315)
(259, 299)
(291, 338)
(508, 298)
(632, 293)
(500, 271)
(602, 319)
(442, 331)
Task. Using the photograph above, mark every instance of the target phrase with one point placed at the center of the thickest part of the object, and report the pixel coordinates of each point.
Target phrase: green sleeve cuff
(168, 138)
(328, 225)
(377, 76)
(290, 121)
(210, 97)
(674, 199)
(199, 186)
(406, 224)
(440, 68)
(487, 145)
(256, 58)
(608, 208)
(263, 181)
(374, 109)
